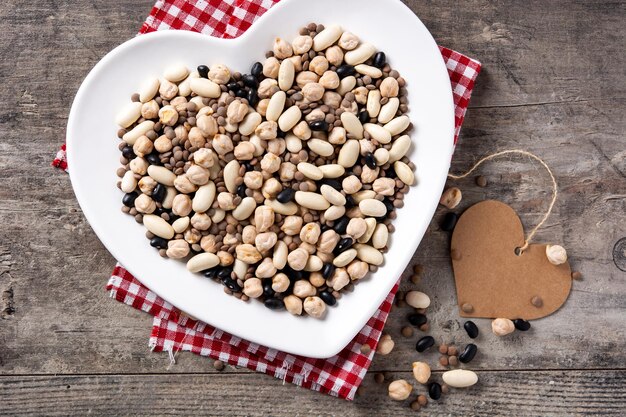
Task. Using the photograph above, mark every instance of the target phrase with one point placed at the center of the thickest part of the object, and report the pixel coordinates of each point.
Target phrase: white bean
(175, 73)
(399, 148)
(129, 182)
(380, 236)
(460, 378)
(231, 172)
(373, 103)
(158, 226)
(372, 207)
(310, 171)
(250, 123)
(417, 299)
(371, 226)
(332, 170)
(344, 258)
(245, 208)
(327, 37)
(289, 118)
(314, 263)
(398, 125)
(334, 212)
(287, 209)
(404, 172)
(382, 156)
(293, 143)
(349, 153)
(148, 89)
(218, 216)
(184, 89)
(204, 197)
(363, 195)
(368, 70)
(181, 224)
(359, 55)
(162, 175)
(378, 132)
(138, 131)
(389, 110)
(286, 74)
(205, 88)
(202, 261)
(346, 84)
(368, 254)
(279, 258)
(129, 114)
(352, 124)
(276, 105)
(333, 196)
(311, 200)
(170, 193)
(320, 147)
(240, 268)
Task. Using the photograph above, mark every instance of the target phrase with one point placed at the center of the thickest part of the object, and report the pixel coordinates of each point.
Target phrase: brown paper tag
(492, 278)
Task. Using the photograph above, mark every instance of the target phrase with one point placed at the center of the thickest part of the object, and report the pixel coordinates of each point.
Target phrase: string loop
(536, 158)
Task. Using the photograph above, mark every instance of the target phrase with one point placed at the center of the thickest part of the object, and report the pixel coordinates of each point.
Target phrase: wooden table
(552, 83)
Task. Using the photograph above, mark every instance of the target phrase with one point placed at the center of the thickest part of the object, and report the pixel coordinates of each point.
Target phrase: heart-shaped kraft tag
(491, 279)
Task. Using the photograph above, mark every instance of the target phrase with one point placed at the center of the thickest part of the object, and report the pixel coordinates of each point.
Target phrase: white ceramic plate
(93, 158)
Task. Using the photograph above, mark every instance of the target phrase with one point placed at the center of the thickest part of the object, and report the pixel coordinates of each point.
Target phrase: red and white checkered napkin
(172, 330)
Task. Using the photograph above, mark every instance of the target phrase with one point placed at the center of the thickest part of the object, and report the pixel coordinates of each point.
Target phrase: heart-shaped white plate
(93, 158)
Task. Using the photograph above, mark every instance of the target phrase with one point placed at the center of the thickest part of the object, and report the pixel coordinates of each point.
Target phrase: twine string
(536, 158)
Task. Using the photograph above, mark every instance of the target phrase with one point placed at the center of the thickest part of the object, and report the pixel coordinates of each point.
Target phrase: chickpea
(329, 80)
(226, 258)
(267, 130)
(280, 282)
(276, 146)
(198, 175)
(316, 279)
(348, 41)
(389, 87)
(310, 233)
(177, 249)
(360, 94)
(201, 221)
(145, 204)
(219, 74)
(167, 89)
(168, 115)
(270, 163)
(271, 187)
(313, 92)
(150, 110)
(226, 201)
(210, 244)
(249, 234)
(291, 225)
(334, 55)
(267, 88)
(337, 136)
(556, 254)
(327, 241)
(261, 108)
(302, 44)
(400, 390)
(248, 254)
(332, 99)
(293, 305)
(192, 236)
(502, 327)
(385, 345)
(207, 125)
(196, 137)
(282, 49)
(266, 269)
(366, 146)
(146, 185)
(179, 103)
(319, 64)
(287, 171)
(305, 77)
(183, 184)
(162, 144)
(451, 197)
(143, 146)
(271, 66)
(263, 218)
(265, 241)
(181, 132)
(357, 269)
(297, 259)
(339, 279)
(368, 175)
(181, 205)
(302, 130)
(139, 166)
(303, 288)
(236, 111)
(253, 288)
(231, 239)
(384, 186)
(222, 144)
(421, 372)
(356, 227)
(204, 157)
(314, 307)
(351, 184)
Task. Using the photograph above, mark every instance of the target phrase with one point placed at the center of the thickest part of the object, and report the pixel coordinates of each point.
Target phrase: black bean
(328, 297)
(521, 324)
(268, 292)
(389, 205)
(468, 353)
(341, 224)
(343, 245)
(350, 202)
(379, 60)
(241, 191)
(249, 166)
(158, 193)
(345, 71)
(319, 125)
(274, 303)
(242, 93)
(364, 116)
(158, 211)
(292, 274)
(158, 242)
(380, 219)
(129, 199)
(233, 86)
(391, 173)
(224, 273)
(203, 70)
(417, 319)
(424, 343)
(449, 221)
(471, 329)
(231, 284)
(332, 182)
(370, 161)
(253, 97)
(250, 80)
(327, 270)
(434, 390)
(210, 273)
(256, 70)
(325, 227)
(153, 159)
(128, 153)
(286, 195)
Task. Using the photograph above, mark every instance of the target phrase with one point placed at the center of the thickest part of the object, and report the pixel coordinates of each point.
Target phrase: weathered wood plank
(554, 393)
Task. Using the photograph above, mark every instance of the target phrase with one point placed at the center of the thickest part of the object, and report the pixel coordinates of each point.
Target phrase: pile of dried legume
(282, 183)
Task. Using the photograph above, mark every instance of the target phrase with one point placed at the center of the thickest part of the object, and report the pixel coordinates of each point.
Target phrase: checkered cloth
(174, 331)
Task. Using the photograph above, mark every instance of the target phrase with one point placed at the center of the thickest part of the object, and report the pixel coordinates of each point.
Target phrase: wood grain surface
(552, 83)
